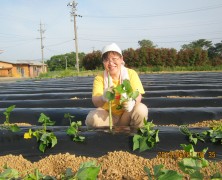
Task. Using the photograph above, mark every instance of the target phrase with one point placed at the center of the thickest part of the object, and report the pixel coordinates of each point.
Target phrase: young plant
(9, 173)
(88, 170)
(37, 176)
(110, 107)
(192, 136)
(73, 129)
(126, 92)
(110, 95)
(163, 174)
(7, 125)
(194, 163)
(146, 138)
(215, 133)
(45, 138)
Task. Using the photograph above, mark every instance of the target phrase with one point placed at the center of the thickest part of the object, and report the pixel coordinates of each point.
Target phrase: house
(21, 69)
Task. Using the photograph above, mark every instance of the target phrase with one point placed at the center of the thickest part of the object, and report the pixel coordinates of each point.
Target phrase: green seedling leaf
(157, 170)
(215, 134)
(14, 128)
(110, 95)
(44, 138)
(193, 164)
(126, 92)
(147, 170)
(120, 89)
(79, 139)
(9, 173)
(38, 176)
(192, 136)
(7, 125)
(146, 138)
(68, 175)
(68, 116)
(88, 170)
(42, 147)
(144, 144)
(190, 164)
(45, 120)
(197, 175)
(7, 113)
(53, 140)
(163, 174)
(170, 175)
(187, 148)
(126, 84)
(73, 129)
(134, 94)
(216, 176)
(136, 142)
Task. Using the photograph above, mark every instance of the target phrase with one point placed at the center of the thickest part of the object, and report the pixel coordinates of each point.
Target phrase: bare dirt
(115, 165)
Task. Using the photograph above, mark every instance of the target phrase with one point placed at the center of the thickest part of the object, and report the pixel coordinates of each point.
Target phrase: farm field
(173, 99)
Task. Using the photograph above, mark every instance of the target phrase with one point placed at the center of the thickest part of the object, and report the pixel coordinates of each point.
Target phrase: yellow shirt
(98, 88)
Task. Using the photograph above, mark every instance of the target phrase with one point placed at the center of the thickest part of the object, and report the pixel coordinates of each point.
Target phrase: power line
(59, 43)
(159, 14)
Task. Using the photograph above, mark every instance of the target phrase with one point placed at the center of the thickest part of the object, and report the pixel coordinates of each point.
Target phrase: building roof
(29, 62)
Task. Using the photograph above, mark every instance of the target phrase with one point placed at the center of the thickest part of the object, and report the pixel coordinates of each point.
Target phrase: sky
(167, 23)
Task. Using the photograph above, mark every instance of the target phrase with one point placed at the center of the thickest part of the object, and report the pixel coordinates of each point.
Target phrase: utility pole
(42, 47)
(66, 61)
(73, 13)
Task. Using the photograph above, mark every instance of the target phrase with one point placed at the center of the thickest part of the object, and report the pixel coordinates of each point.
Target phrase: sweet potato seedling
(146, 138)
(215, 133)
(7, 125)
(46, 139)
(193, 164)
(73, 129)
(162, 174)
(126, 92)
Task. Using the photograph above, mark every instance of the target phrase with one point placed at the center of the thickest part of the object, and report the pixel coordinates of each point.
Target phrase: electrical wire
(159, 14)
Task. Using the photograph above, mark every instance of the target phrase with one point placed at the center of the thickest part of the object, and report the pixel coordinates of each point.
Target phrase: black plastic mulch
(177, 98)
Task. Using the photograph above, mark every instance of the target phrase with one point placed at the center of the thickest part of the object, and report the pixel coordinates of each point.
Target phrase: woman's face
(113, 63)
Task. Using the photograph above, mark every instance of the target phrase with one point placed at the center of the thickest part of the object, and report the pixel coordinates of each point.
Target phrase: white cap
(112, 47)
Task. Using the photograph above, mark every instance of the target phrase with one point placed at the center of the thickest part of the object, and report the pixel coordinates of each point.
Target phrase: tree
(215, 50)
(201, 43)
(146, 43)
(58, 62)
(92, 60)
(215, 54)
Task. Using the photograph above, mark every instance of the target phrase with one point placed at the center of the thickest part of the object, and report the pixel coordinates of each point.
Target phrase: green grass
(141, 70)
(68, 73)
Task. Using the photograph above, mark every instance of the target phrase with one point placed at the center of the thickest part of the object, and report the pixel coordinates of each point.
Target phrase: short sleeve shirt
(98, 88)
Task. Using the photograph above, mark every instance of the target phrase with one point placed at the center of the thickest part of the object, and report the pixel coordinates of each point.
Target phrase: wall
(5, 69)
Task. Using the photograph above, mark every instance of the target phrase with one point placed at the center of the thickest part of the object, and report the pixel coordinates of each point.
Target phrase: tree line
(197, 53)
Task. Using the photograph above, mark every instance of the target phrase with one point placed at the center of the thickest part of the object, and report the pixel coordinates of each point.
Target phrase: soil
(115, 165)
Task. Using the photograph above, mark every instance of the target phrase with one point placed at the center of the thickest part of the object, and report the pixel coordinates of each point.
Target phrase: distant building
(21, 69)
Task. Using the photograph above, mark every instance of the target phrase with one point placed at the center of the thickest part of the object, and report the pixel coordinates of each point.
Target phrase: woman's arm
(98, 101)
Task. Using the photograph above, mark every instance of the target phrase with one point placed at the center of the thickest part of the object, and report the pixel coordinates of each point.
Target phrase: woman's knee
(141, 110)
(139, 114)
(96, 118)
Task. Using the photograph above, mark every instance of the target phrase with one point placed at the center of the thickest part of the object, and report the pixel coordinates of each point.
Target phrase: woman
(133, 112)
